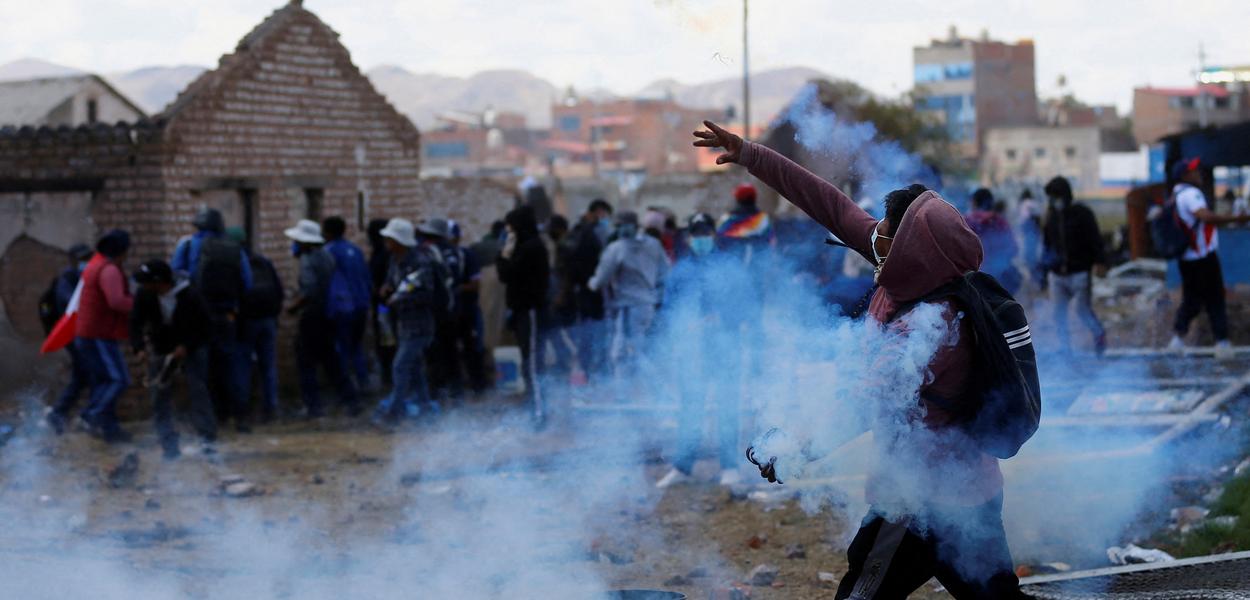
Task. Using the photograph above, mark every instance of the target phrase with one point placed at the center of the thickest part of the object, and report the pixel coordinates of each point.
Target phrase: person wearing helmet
(696, 302)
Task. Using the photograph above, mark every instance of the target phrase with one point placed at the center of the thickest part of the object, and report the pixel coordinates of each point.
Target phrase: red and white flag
(62, 333)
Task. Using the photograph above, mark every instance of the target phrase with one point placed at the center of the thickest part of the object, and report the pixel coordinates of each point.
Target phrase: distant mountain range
(423, 96)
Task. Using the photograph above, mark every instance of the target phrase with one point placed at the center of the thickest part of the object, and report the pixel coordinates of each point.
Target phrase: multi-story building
(971, 85)
(1033, 155)
(485, 144)
(1221, 96)
(634, 135)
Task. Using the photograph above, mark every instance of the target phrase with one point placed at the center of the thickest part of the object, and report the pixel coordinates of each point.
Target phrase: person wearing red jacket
(103, 323)
(936, 498)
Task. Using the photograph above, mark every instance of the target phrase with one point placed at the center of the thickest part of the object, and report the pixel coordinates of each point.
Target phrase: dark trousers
(443, 359)
(224, 383)
(526, 327)
(109, 376)
(79, 382)
(590, 333)
(472, 352)
(195, 368)
(257, 348)
(965, 548)
(1202, 286)
(457, 353)
(349, 332)
(384, 343)
(314, 345)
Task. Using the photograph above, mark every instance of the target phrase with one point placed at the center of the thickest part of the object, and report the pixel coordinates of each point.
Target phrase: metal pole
(1203, 120)
(746, 78)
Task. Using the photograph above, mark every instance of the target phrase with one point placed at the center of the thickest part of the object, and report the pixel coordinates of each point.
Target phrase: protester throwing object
(945, 521)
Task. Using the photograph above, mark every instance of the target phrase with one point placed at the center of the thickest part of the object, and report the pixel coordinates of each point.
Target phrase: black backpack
(444, 298)
(1168, 234)
(49, 310)
(218, 275)
(1004, 398)
(264, 299)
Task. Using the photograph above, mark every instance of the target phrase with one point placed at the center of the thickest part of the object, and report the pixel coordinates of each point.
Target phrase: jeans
(349, 331)
(411, 389)
(224, 383)
(314, 345)
(630, 325)
(257, 342)
(965, 548)
(109, 377)
(1063, 288)
(195, 368)
(694, 394)
(79, 381)
(526, 327)
(590, 334)
(1202, 286)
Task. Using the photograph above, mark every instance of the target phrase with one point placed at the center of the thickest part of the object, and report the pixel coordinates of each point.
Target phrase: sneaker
(674, 476)
(1223, 350)
(730, 477)
(1177, 343)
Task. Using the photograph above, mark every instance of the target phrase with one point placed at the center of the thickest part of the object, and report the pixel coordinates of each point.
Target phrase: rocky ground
(337, 503)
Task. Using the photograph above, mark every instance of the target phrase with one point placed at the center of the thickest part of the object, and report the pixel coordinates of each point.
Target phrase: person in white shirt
(1202, 280)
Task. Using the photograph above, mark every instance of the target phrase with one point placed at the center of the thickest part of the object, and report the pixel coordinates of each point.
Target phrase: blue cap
(1183, 166)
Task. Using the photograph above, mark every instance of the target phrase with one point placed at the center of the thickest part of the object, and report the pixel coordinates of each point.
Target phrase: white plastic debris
(1131, 554)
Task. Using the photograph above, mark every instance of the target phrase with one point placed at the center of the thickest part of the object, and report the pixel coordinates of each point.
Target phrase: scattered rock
(159, 533)
(735, 591)
(318, 480)
(242, 489)
(409, 479)
(795, 552)
(1185, 517)
(827, 579)
(124, 474)
(229, 479)
(697, 572)
(152, 504)
(756, 542)
(677, 580)
(762, 575)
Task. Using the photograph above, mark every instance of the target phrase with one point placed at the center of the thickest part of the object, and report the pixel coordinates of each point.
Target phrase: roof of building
(1217, 91)
(30, 101)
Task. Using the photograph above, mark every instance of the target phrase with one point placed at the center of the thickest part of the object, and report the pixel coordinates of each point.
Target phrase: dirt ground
(340, 489)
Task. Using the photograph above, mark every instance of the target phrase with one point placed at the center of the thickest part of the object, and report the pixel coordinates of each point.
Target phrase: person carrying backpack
(219, 270)
(1072, 246)
(443, 359)
(51, 306)
(258, 329)
(1202, 279)
(348, 302)
(408, 294)
(314, 340)
(952, 527)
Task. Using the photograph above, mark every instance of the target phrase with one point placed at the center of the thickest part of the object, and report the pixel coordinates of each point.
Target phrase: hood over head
(523, 222)
(210, 219)
(932, 246)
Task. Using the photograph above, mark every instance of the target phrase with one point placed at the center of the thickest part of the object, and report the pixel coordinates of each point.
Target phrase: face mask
(702, 244)
(872, 242)
(295, 249)
(603, 227)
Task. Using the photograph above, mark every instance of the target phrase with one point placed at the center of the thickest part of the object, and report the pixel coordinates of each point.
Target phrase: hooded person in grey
(631, 276)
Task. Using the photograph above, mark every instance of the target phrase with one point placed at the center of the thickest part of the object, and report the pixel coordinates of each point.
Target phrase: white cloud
(1104, 48)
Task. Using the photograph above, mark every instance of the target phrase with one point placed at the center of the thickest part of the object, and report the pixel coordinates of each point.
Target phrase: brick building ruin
(286, 127)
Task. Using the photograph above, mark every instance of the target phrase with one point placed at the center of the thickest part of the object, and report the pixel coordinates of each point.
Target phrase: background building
(64, 101)
(1033, 155)
(479, 144)
(1160, 112)
(973, 85)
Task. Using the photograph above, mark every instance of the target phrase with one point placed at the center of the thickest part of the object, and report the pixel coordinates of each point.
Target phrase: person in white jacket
(630, 275)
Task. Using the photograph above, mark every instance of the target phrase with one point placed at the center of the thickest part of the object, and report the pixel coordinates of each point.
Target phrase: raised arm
(821, 200)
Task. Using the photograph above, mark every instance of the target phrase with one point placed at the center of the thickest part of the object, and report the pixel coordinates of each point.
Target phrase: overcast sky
(1104, 47)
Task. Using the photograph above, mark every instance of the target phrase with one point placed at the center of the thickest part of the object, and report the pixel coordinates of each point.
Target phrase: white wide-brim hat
(400, 230)
(306, 232)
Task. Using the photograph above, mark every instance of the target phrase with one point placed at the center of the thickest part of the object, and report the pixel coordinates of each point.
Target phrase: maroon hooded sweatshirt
(932, 246)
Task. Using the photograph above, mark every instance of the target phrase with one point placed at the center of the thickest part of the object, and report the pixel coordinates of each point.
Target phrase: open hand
(715, 137)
